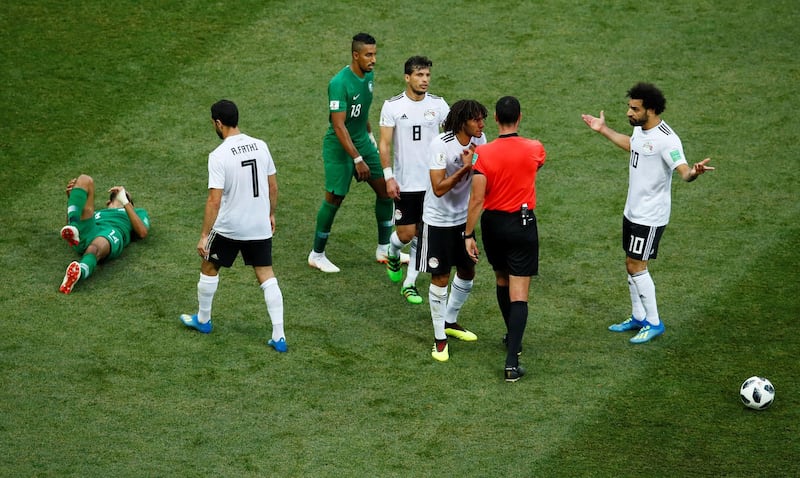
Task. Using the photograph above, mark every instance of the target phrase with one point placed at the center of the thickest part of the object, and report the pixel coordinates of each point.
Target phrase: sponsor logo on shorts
(433, 262)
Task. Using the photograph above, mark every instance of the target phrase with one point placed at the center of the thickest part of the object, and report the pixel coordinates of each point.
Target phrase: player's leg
(641, 245)
(97, 250)
(459, 293)
(384, 205)
(225, 251)
(339, 172)
(433, 259)
(437, 298)
(259, 255)
(80, 207)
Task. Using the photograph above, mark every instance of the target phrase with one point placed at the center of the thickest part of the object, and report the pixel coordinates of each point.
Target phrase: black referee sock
(504, 301)
(517, 320)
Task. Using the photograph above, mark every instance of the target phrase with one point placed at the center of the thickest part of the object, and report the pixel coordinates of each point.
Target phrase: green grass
(106, 382)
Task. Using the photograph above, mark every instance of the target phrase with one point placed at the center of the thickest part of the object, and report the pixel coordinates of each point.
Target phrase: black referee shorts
(509, 246)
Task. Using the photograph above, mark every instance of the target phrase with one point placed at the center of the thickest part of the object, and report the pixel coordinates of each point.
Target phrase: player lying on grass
(98, 235)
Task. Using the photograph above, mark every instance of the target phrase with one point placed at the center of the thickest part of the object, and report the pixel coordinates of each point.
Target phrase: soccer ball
(757, 393)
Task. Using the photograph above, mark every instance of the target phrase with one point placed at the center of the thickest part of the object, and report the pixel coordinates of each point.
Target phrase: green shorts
(89, 230)
(339, 167)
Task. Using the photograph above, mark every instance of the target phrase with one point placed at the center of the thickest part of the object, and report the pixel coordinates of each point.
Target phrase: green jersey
(118, 219)
(353, 95)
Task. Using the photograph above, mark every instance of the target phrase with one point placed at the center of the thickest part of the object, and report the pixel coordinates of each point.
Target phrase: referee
(504, 188)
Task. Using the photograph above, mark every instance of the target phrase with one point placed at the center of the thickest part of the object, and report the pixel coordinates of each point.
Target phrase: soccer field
(107, 382)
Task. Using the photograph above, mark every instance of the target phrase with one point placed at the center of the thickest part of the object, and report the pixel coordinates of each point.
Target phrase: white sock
(647, 293)
(206, 288)
(412, 272)
(637, 307)
(274, 299)
(395, 245)
(459, 292)
(437, 297)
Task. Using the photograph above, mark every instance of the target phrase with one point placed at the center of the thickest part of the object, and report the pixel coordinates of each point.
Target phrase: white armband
(358, 159)
(387, 173)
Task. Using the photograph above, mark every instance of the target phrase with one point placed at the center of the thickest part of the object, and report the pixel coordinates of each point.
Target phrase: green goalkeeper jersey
(353, 95)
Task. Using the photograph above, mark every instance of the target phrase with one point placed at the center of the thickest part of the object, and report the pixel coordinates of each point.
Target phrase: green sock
(325, 216)
(75, 203)
(88, 263)
(384, 209)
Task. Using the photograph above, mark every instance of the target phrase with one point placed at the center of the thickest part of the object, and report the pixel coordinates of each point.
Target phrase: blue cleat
(279, 345)
(647, 333)
(629, 324)
(191, 321)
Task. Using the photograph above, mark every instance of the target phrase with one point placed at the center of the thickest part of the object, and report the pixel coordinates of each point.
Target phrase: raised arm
(599, 124)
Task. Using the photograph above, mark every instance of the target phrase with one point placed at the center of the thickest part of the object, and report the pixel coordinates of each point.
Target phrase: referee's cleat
(70, 277)
(70, 234)
(456, 330)
(629, 324)
(317, 260)
(411, 294)
(647, 333)
(439, 351)
(512, 374)
(279, 345)
(393, 269)
(192, 322)
(382, 255)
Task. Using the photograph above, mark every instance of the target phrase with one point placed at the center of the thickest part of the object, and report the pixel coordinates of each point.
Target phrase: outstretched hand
(700, 168)
(594, 122)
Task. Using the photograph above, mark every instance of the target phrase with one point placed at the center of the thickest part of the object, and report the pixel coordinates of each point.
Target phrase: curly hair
(652, 97)
(463, 111)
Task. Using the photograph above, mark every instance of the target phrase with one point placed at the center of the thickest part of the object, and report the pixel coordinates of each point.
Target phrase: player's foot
(382, 255)
(317, 260)
(505, 342)
(191, 321)
(70, 234)
(512, 374)
(439, 351)
(629, 324)
(456, 330)
(411, 294)
(70, 277)
(647, 333)
(393, 269)
(279, 345)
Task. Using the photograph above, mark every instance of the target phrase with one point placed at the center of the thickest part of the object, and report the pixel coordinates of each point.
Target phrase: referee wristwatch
(464, 235)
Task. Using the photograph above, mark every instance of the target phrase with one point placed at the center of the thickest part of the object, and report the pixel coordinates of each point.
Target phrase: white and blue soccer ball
(757, 393)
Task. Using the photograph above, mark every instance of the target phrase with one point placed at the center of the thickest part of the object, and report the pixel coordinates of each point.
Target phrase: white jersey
(451, 208)
(655, 153)
(240, 166)
(415, 125)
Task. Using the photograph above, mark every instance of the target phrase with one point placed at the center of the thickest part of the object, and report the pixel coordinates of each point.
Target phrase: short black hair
(652, 97)
(463, 111)
(417, 63)
(361, 39)
(507, 110)
(226, 112)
